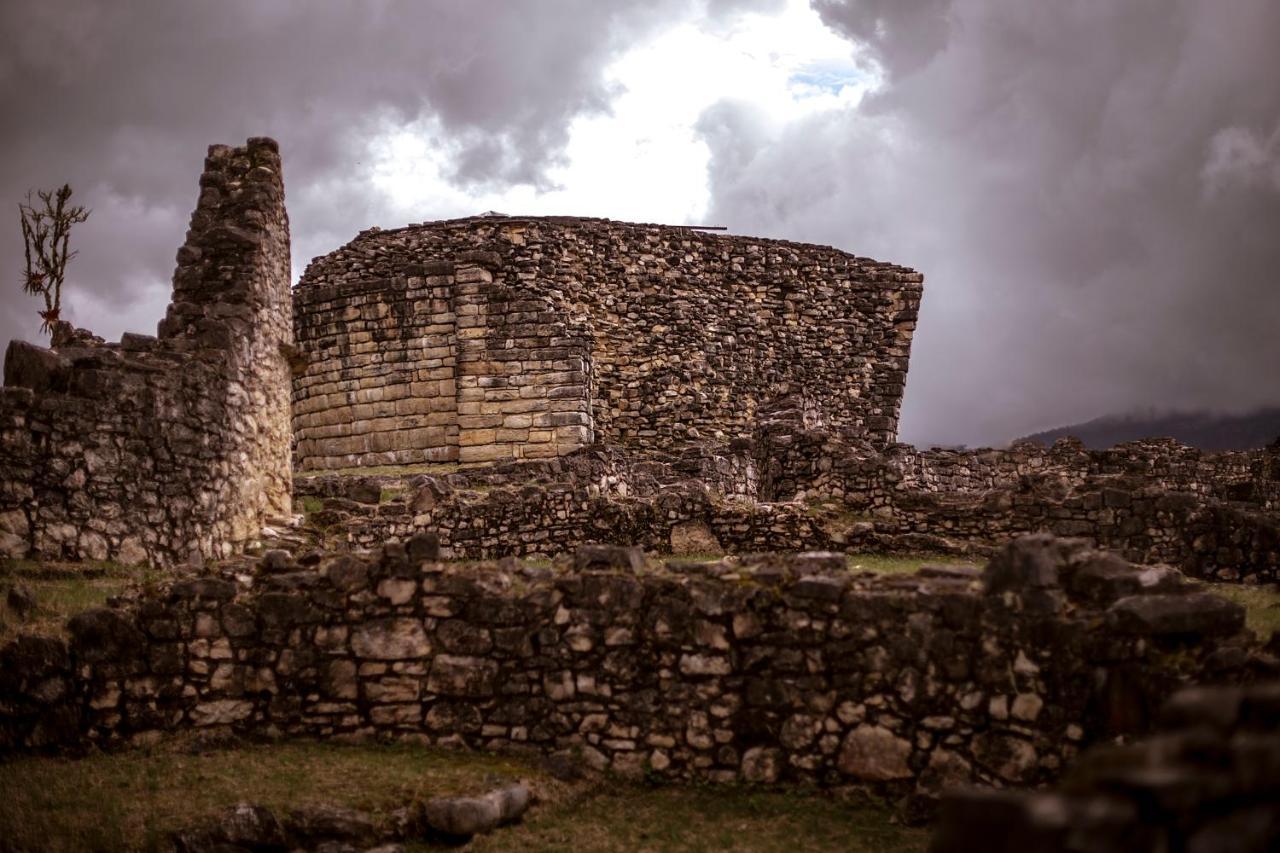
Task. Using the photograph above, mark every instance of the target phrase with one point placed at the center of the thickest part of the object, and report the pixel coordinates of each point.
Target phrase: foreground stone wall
(170, 448)
(1208, 782)
(642, 336)
(771, 669)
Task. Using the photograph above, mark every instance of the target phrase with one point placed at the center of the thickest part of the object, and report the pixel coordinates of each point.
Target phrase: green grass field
(133, 800)
(62, 590)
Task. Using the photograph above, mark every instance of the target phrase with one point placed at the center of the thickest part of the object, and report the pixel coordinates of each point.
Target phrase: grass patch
(132, 800)
(389, 494)
(534, 561)
(705, 818)
(888, 564)
(894, 564)
(62, 590)
(1261, 604)
(437, 468)
(833, 509)
(311, 503)
(694, 557)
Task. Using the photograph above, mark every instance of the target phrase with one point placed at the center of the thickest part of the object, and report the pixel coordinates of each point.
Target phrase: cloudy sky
(1091, 187)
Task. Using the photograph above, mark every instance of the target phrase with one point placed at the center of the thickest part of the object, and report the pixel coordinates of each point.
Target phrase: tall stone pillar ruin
(173, 448)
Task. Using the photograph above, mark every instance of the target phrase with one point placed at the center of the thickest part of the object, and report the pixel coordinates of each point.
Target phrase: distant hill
(1205, 430)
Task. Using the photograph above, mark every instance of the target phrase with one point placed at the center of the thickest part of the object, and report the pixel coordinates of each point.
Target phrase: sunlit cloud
(644, 159)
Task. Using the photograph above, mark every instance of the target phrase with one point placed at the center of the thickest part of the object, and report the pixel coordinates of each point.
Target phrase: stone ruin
(175, 447)
(592, 391)
(496, 338)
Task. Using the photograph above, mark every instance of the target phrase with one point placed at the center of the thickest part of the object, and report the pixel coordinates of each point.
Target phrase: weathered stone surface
(762, 669)
(463, 817)
(875, 754)
(21, 599)
(608, 557)
(221, 712)
(761, 764)
(173, 448)
(453, 675)
(693, 537)
(1197, 785)
(311, 825)
(15, 534)
(1031, 562)
(1011, 758)
(102, 634)
(29, 366)
(242, 827)
(390, 639)
(1193, 613)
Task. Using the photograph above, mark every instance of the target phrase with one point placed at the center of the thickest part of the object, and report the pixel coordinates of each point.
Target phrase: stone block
(390, 639)
(874, 754)
(1200, 614)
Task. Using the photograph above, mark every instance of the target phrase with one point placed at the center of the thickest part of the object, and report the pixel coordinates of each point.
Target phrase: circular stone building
(497, 337)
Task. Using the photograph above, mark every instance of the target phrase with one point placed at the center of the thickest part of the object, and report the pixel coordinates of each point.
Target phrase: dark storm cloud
(121, 98)
(1092, 190)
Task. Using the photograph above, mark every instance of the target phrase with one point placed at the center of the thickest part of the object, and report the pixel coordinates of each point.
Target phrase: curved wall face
(496, 337)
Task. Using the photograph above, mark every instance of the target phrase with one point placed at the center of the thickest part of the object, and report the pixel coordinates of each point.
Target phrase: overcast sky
(1091, 187)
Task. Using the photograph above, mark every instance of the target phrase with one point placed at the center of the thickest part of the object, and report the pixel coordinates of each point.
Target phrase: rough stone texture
(170, 448)
(1207, 782)
(775, 668)
(1210, 515)
(496, 338)
(334, 829)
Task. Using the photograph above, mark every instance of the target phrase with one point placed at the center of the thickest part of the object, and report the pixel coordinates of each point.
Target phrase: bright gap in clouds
(643, 160)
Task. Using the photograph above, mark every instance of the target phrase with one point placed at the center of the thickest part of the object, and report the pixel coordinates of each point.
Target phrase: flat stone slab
(1194, 613)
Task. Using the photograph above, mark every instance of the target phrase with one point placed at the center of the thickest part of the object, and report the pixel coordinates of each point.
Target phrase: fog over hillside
(1205, 430)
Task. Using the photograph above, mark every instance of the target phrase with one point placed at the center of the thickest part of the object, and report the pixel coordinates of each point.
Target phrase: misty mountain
(1205, 430)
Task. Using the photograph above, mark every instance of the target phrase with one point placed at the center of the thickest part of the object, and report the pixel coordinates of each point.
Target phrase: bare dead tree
(46, 232)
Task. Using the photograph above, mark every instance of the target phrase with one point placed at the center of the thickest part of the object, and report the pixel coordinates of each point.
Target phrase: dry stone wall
(780, 668)
(174, 447)
(1207, 781)
(1212, 514)
(567, 330)
(843, 496)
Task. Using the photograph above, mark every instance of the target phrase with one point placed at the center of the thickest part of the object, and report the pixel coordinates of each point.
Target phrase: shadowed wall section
(171, 448)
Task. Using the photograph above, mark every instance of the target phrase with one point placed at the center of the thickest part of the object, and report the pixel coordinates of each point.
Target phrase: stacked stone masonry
(170, 448)
(499, 338)
(1208, 781)
(1211, 515)
(773, 668)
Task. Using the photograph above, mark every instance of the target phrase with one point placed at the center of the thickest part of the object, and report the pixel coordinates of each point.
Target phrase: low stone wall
(770, 669)
(171, 448)
(796, 460)
(1214, 515)
(704, 502)
(1208, 781)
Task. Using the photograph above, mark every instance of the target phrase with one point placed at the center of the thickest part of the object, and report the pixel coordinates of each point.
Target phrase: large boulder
(102, 635)
(1200, 614)
(459, 818)
(1030, 563)
(29, 366)
(390, 639)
